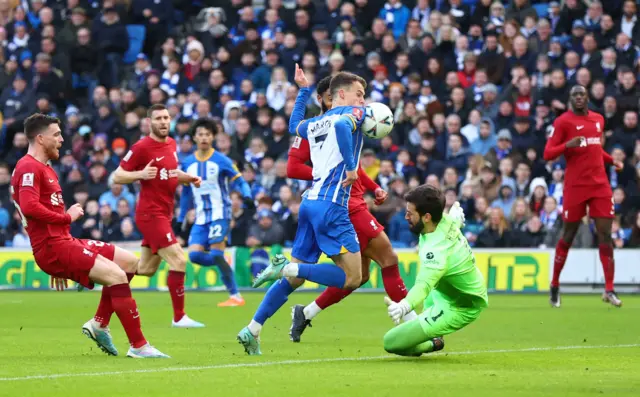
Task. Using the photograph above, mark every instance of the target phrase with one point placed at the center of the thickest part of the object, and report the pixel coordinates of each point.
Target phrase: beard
(157, 132)
(417, 228)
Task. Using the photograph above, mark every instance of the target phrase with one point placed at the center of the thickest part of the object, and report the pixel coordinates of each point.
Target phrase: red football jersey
(156, 195)
(300, 154)
(585, 163)
(37, 196)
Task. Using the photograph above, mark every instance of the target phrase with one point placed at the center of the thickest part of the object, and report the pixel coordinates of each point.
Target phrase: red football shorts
(156, 231)
(600, 205)
(366, 226)
(73, 259)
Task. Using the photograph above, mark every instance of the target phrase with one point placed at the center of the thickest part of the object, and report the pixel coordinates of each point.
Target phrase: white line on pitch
(312, 361)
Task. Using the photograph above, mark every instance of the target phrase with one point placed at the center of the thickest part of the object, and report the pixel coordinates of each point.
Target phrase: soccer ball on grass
(378, 120)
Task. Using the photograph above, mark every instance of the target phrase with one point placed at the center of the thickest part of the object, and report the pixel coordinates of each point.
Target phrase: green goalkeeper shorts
(440, 317)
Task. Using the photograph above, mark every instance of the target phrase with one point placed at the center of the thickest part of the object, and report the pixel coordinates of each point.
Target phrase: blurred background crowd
(475, 86)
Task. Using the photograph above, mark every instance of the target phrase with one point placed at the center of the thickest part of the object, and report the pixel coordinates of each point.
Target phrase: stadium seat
(542, 9)
(136, 41)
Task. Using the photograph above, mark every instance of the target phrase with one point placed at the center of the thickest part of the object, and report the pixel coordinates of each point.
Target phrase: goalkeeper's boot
(554, 296)
(250, 342)
(101, 336)
(146, 351)
(272, 272)
(611, 297)
(438, 344)
(298, 323)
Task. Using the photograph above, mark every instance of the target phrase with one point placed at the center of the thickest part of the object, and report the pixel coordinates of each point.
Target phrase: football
(378, 120)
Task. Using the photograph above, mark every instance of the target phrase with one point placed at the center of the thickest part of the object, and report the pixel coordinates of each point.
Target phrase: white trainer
(186, 322)
(146, 351)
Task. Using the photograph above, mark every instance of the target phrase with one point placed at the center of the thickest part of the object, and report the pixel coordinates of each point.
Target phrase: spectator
(496, 233)
(266, 232)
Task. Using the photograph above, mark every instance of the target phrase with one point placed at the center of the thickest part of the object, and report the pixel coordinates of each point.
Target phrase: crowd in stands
(475, 86)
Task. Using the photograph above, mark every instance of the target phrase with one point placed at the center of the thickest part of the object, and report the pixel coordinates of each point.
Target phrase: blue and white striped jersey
(335, 141)
(212, 200)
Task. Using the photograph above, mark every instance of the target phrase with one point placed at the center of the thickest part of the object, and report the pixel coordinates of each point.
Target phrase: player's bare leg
(276, 296)
(174, 256)
(97, 328)
(149, 262)
(569, 231)
(605, 248)
(112, 277)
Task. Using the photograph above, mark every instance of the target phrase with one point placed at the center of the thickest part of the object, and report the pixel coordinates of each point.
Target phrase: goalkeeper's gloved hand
(457, 213)
(397, 310)
(248, 203)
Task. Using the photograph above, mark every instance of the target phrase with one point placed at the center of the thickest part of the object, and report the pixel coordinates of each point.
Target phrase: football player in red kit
(374, 243)
(37, 196)
(578, 135)
(153, 161)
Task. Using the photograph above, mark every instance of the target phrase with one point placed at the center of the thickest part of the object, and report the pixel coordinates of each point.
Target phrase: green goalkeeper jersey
(448, 265)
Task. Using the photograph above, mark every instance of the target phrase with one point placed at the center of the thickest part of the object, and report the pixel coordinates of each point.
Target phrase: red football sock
(393, 283)
(562, 250)
(127, 311)
(105, 308)
(175, 283)
(331, 296)
(608, 266)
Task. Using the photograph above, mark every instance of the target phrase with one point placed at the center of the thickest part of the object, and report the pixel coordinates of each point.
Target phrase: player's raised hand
(60, 284)
(352, 176)
(300, 78)
(575, 142)
(76, 211)
(457, 213)
(381, 196)
(149, 172)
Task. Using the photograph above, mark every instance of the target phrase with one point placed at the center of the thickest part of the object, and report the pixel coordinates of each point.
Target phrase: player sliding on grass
(37, 197)
(323, 224)
(448, 279)
(374, 243)
(212, 205)
(578, 135)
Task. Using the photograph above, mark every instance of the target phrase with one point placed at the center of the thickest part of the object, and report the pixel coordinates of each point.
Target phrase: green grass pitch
(518, 347)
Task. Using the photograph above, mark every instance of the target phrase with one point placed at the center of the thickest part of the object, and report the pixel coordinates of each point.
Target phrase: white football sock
(290, 270)
(311, 310)
(255, 328)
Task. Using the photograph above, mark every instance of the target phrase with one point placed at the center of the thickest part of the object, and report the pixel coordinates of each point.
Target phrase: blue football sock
(276, 296)
(329, 275)
(225, 271)
(201, 258)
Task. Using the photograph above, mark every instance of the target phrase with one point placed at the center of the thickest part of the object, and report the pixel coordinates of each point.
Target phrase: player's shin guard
(562, 250)
(275, 297)
(225, 270)
(331, 296)
(105, 308)
(608, 267)
(125, 307)
(175, 283)
(393, 284)
(329, 275)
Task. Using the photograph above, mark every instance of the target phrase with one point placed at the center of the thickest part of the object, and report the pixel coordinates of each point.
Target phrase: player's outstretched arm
(299, 110)
(124, 177)
(184, 178)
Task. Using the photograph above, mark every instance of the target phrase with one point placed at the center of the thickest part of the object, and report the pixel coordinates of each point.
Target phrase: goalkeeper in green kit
(448, 278)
